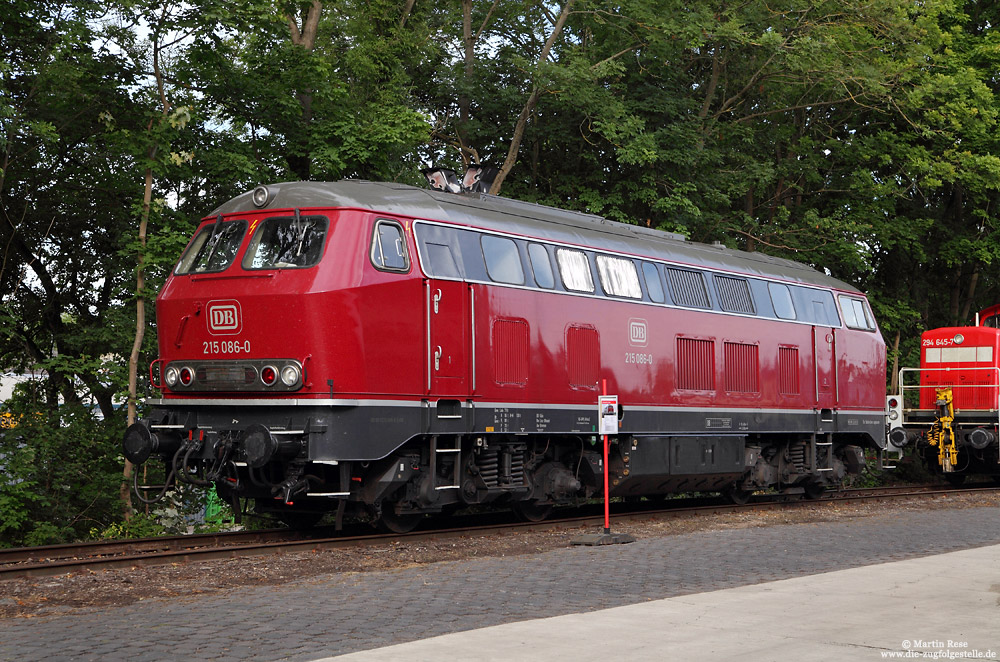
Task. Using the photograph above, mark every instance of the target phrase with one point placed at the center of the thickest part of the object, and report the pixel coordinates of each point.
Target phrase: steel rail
(104, 555)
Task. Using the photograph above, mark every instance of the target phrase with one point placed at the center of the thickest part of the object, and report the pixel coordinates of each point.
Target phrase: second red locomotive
(373, 346)
(948, 408)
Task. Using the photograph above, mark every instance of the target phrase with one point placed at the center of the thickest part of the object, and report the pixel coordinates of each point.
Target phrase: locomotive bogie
(410, 352)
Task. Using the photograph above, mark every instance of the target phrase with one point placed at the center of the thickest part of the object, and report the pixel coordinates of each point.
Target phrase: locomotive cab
(270, 318)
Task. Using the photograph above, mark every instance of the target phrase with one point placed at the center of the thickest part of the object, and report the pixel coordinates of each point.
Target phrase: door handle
(437, 300)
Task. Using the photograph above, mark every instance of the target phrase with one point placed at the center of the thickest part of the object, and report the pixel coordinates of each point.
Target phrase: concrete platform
(945, 606)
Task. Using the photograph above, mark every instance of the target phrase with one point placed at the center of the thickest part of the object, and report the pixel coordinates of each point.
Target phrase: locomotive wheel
(299, 520)
(532, 511)
(955, 480)
(293, 518)
(391, 522)
(814, 490)
(737, 496)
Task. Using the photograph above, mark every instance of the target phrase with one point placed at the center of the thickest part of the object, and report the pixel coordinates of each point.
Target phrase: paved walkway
(338, 614)
(942, 607)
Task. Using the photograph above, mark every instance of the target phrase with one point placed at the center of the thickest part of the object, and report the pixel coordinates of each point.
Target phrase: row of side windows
(456, 253)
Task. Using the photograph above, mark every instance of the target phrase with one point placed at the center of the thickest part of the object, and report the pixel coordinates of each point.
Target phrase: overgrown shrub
(59, 472)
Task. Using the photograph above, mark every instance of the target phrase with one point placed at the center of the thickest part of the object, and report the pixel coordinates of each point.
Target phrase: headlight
(959, 339)
(290, 375)
(171, 376)
(261, 196)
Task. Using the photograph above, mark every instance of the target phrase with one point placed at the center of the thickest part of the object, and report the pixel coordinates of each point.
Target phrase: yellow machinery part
(941, 433)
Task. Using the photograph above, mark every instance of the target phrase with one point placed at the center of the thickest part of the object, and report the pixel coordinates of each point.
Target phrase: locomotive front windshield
(287, 242)
(213, 248)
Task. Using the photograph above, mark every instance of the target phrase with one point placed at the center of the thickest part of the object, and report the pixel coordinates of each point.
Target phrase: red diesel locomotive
(952, 416)
(402, 351)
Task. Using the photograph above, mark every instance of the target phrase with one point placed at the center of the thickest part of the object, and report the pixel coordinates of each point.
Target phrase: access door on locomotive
(449, 303)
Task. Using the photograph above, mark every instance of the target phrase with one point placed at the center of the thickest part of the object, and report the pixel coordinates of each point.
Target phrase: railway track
(103, 555)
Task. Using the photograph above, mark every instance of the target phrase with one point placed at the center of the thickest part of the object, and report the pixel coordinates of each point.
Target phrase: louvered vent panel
(510, 351)
(695, 364)
(742, 368)
(734, 295)
(688, 288)
(583, 352)
(976, 397)
(788, 370)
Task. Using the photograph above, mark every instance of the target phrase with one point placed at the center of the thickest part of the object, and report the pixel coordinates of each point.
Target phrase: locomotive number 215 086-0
(226, 347)
(638, 358)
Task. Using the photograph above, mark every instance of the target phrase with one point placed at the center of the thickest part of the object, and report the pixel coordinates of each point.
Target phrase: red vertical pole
(607, 497)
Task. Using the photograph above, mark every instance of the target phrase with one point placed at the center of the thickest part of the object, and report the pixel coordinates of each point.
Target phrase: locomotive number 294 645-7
(226, 347)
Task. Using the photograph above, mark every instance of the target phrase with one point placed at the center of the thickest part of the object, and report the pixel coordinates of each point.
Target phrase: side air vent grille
(742, 368)
(510, 351)
(734, 295)
(583, 352)
(688, 288)
(788, 370)
(695, 364)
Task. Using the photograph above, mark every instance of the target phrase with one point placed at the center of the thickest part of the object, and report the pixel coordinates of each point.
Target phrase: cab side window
(856, 315)
(389, 247)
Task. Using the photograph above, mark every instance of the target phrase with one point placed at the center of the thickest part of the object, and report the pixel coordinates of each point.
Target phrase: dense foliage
(859, 136)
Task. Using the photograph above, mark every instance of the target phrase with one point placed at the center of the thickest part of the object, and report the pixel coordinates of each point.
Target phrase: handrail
(916, 387)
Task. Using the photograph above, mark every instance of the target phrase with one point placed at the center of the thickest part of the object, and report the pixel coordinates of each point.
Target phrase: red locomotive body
(952, 416)
(405, 351)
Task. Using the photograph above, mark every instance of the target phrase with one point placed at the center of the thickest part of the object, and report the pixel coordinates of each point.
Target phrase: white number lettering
(213, 347)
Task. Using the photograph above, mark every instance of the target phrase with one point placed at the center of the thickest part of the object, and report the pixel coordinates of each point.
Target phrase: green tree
(318, 90)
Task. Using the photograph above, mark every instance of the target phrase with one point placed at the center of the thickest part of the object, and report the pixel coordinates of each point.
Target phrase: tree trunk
(463, 99)
(970, 295)
(140, 282)
(956, 296)
(301, 163)
(529, 106)
(140, 333)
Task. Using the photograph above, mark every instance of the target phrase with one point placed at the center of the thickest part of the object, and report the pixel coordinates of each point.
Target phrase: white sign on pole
(608, 407)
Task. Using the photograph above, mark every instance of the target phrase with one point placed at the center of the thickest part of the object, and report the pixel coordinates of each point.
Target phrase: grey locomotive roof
(549, 223)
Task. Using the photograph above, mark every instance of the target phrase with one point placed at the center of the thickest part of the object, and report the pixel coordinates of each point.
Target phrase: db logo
(224, 318)
(637, 332)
